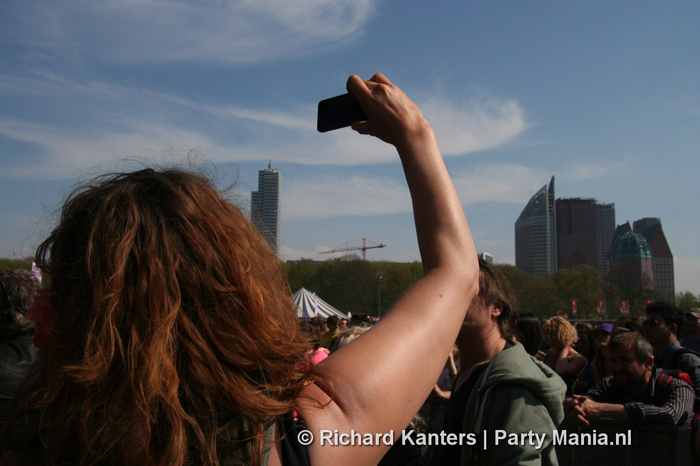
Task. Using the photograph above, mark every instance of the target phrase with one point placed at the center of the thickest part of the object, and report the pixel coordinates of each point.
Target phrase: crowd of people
(168, 337)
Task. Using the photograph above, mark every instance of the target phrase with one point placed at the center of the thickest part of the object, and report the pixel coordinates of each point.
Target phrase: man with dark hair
(332, 323)
(500, 390)
(663, 325)
(17, 351)
(692, 330)
(637, 392)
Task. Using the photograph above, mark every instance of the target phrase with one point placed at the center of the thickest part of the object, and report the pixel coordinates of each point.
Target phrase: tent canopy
(309, 305)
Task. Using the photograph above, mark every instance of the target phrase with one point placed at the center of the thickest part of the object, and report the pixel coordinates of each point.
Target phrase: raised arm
(381, 379)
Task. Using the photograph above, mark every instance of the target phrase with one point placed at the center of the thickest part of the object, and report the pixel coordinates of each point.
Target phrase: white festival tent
(309, 305)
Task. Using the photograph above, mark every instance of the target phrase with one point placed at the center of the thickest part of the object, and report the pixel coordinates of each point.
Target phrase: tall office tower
(535, 238)
(630, 261)
(265, 206)
(577, 233)
(606, 230)
(584, 233)
(661, 256)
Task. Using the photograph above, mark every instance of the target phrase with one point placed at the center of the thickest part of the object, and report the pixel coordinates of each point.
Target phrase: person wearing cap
(692, 330)
(601, 362)
(663, 324)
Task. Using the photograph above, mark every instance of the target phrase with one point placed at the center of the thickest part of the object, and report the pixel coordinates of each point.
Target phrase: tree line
(352, 285)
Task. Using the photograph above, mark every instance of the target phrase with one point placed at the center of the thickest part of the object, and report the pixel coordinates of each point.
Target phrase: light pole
(379, 294)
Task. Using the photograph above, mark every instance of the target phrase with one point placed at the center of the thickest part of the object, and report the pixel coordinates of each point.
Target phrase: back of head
(628, 324)
(669, 313)
(497, 290)
(17, 291)
(173, 313)
(346, 336)
(580, 325)
(559, 333)
(529, 328)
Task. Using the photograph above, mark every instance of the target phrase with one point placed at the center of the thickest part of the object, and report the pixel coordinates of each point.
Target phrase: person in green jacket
(505, 403)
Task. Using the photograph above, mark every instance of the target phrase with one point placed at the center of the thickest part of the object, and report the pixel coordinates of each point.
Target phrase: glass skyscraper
(585, 230)
(265, 206)
(535, 234)
(661, 256)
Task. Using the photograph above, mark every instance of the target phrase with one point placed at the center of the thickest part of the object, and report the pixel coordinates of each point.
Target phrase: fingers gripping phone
(339, 112)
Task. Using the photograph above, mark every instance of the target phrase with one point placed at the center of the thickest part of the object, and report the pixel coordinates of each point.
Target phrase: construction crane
(356, 247)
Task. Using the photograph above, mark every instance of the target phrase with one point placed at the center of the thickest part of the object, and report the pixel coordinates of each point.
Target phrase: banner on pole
(574, 309)
(625, 307)
(601, 308)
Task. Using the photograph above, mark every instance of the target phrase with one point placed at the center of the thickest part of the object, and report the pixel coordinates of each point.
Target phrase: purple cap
(606, 327)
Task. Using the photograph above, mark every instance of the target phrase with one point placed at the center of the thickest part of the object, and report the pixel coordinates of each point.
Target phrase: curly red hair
(173, 316)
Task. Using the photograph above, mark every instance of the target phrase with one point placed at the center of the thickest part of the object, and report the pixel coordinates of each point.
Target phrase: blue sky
(603, 95)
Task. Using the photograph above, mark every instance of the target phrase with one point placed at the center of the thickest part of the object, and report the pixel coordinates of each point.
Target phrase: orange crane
(355, 247)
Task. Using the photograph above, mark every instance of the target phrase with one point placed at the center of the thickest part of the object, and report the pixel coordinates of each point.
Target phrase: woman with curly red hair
(175, 340)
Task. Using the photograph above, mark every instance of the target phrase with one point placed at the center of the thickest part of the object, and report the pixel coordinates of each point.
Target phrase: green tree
(349, 285)
(302, 274)
(396, 278)
(687, 300)
(534, 294)
(634, 286)
(14, 264)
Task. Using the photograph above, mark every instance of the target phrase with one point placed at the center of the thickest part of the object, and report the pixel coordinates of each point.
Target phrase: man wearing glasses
(663, 324)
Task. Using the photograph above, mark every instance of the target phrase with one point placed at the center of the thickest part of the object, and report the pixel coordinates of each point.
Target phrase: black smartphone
(339, 112)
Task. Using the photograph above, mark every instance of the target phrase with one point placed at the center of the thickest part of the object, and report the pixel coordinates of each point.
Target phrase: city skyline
(607, 97)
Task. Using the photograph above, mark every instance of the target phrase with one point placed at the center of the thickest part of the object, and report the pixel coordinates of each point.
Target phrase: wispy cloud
(160, 31)
(378, 195)
(579, 171)
(114, 121)
(358, 195)
(498, 182)
(687, 274)
(482, 123)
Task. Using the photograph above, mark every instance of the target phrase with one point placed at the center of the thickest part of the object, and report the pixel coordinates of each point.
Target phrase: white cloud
(115, 121)
(331, 197)
(498, 182)
(379, 195)
(578, 171)
(687, 274)
(160, 31)
(473, 126)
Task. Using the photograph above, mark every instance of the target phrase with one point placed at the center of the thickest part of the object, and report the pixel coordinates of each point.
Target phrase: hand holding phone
(339, 112)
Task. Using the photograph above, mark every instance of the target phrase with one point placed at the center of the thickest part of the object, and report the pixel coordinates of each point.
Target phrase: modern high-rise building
(577, 232)
(265, 206)
(606, 231)
(631, 261)
(535, 238)
(584, 233)
(661, 256)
